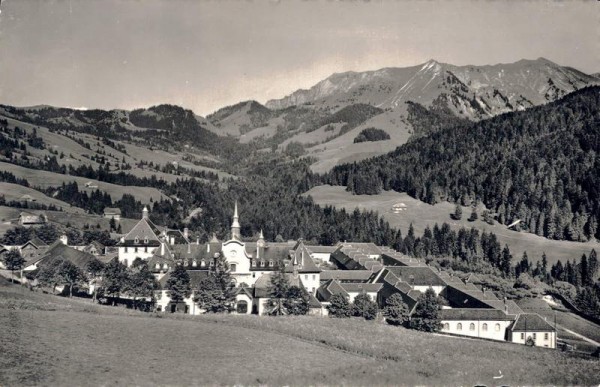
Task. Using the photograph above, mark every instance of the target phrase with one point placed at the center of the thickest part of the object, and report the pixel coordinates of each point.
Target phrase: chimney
(64, 239)
(189, 248)
(186, 233)
(208, 247)
(506, 309)
(162, 248)
(172, 240)
(198, 240)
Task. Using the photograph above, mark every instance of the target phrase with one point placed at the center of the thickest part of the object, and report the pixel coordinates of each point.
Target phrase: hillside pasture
(46, 179)
(56, 341)
(421, 215)
(15, 192)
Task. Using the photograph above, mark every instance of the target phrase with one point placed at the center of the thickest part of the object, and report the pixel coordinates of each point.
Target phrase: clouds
(204, 55)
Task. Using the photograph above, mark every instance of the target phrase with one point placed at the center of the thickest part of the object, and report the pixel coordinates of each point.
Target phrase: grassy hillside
(51, 340)
(15, 192)
(421, 214)
(46, 179)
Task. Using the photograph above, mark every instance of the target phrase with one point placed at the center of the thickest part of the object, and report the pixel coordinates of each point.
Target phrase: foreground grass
(54, 341)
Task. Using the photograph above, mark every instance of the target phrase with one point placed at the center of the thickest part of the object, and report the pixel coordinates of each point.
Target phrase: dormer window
(157, 266)
(262, 263)
(165, 266)
(137, 240)
(202, 263)
(271, 263)
(212, 263)
(194, 263)
(253, 263)
(146, 240)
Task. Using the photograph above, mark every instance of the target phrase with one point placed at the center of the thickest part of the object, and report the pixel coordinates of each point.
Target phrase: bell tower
(235, 225)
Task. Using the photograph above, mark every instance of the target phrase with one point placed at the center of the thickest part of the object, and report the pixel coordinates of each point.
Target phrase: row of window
(534, 335)
(263, 263)
(137, 240)
(135, 249)
(484, 327)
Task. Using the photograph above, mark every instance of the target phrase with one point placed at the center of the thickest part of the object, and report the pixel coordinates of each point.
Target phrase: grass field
(15, 192)
(421, 214)
(47, 340)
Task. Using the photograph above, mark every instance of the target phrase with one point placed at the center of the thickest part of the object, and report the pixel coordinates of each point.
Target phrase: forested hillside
(540, 166)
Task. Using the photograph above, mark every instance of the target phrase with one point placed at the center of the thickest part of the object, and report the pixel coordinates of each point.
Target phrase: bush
(339, 306)
(371, 134)
(364, 307)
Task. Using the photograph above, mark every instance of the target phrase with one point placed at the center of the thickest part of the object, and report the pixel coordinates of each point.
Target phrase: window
(146, 240)
(137, 240)
(202, 263)
(212, 263)
(306, 277)
(270, 263)
(262, 263)
(146, 249)
(194, 263)
(459, 327)
(522, 336)
(484, 327)
(253, 263)
(233, 267)
(497, 327)
(165, 266)
(472, 326)
(135, 250)
(314, 277)
(534, 337)
(125, 248)
(157, 266)
(242, 307)
(446, 327)
(545, 336)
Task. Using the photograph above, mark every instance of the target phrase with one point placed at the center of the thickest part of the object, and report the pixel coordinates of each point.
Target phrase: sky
(204, 55)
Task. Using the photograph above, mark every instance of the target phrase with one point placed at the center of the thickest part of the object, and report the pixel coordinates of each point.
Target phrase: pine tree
(296, 301)
(278, 290)
(178, 284)
(141, 283)
(473, 217)
(339, 306)
(395, 311)
(215, 293)
(457, 212)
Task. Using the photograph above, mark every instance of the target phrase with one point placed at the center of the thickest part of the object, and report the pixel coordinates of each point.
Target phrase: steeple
(235, 226)
(145, 213)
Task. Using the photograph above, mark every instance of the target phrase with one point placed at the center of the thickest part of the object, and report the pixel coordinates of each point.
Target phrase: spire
(261, 236)
(295, 266)
(145, 213)
(235, 225)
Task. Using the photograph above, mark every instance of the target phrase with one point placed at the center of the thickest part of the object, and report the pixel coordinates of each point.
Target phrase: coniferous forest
(540, 166)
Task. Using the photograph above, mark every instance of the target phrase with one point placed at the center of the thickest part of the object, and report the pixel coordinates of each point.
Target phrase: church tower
(235, 226)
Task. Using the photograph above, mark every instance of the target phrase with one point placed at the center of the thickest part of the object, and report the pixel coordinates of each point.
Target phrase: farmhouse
(112, 213)
(31, 219)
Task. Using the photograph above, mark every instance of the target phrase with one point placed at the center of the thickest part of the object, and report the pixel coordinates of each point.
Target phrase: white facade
(128, 254)
(485, 329)
(545, 339)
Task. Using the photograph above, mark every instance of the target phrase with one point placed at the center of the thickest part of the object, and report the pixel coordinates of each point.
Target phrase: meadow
(57, 341)
(421, 215)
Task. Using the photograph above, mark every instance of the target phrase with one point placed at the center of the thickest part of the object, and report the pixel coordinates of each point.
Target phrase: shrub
(371, 134)
(339, 306)
(363, 306)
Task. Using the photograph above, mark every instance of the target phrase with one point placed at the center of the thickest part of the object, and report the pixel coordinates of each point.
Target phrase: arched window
(202, 263)
(165, 266)
(233, 267)
(497, 327)
(459, 327)
(137, 240)
(194, 263)
(270, 263)
(446, 326)
(157, 266)
(472, 326)
(253, 263)
(484, 327)
(242, 307)
(146, 240)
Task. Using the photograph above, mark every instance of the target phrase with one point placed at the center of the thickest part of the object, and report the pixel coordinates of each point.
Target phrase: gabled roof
(59, 251)
(37, 242)
(474, 314)
(321, 249)
(531, 322)
(358, 287)
(417, 275)
(347, 275)
(330, 288)
(303, 257)
(144, 229)
(195, 277)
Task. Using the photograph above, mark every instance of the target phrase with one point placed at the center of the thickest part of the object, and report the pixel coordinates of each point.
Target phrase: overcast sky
(204, 55)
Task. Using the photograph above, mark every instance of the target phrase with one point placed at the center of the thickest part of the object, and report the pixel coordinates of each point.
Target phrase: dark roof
(58, 251)
(365, 248)
(347, 275)
(474, 314)
(195, 277)
(262, 284)
(191, 251)
(531, 322)
(509, 306)
(302, 256)
(417, 275)
(37, 242)
(321, 249)
(393, 258)
(357, 288)
(461, 297)
(328, 289)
